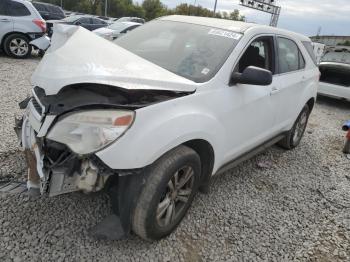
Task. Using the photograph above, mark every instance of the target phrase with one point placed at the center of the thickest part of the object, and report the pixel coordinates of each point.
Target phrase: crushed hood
(77, 56)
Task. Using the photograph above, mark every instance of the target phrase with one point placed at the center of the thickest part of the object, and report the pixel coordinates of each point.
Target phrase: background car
(88, 22)
(20, 23)
(49, 11)
(116, 29)
(131, 19)
(335, 73)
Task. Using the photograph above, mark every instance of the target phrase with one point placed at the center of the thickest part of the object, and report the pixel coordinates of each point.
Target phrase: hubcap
(19, 47)
(175, 197)
(300, 128)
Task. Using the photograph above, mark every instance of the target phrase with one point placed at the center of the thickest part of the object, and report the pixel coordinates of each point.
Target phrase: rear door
(290, 81)
(6, 21)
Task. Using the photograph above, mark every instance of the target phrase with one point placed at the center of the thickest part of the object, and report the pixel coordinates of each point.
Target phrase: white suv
(20, 23)
(154, 115)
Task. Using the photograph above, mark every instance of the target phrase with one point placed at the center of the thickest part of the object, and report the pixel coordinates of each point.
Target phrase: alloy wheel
(175, 197)
(19, 47)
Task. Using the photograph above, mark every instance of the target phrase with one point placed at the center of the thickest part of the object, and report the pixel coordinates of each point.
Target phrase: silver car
(20, 23)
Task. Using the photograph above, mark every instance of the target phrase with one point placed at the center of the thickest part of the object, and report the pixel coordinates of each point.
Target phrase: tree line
(149, 9)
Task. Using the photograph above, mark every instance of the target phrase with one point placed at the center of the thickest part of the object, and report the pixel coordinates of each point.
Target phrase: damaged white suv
(152, 116)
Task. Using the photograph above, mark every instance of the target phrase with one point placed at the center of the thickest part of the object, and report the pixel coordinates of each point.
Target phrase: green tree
(153, 9)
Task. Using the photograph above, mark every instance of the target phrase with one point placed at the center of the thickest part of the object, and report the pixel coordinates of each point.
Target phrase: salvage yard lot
(278, 206)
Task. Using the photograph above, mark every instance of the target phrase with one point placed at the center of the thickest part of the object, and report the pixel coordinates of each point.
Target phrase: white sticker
(205, 71)
(224, 33)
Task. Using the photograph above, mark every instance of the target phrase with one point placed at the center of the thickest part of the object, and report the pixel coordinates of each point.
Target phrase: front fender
(160, 128)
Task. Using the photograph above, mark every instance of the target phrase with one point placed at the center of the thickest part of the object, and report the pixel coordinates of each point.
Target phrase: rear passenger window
(289, 56)
(17, 9)
(84, 20)
(3, 7)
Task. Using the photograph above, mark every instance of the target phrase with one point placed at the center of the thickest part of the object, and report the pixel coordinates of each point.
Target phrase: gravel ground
(278, 206)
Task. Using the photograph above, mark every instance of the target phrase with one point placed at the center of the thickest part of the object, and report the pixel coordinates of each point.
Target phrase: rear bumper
(332, 90)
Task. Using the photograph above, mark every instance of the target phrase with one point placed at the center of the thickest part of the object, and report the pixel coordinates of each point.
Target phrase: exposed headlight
(89, 131)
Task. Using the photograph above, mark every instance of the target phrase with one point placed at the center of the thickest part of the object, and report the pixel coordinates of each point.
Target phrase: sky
(302, 16)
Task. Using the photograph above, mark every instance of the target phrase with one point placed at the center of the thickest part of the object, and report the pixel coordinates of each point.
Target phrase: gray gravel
(279, 206)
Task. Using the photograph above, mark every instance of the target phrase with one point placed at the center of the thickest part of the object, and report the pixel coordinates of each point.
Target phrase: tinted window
(3, 7)
(289, 56)
(98, 21)
(18, 9)
(39, 7)
(259, 53)
(310, 50)
(84, 20)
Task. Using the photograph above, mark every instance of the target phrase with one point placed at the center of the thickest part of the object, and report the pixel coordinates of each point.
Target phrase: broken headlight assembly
(89, 131)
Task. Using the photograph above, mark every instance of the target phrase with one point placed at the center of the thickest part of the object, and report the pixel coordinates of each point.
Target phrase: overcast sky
(303, 16)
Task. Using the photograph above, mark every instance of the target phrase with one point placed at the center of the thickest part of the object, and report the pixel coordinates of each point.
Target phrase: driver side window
(259, 53)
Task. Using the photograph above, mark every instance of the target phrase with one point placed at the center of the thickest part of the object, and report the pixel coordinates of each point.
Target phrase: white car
(116, 29)
(153, 116)
(335, 73)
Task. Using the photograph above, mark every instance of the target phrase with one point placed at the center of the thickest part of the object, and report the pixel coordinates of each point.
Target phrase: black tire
(346, 148)
(290, 141)
(147, 221)
(24, 48)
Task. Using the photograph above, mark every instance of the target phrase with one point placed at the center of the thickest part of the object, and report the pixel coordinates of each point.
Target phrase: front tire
(17, 46)
(294, 136)
(171, 185)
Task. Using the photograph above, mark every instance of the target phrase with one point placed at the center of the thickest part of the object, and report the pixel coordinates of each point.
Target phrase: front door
(251, 115)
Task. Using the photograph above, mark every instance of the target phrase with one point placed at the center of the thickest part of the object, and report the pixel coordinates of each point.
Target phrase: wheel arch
(311, 103)
(2, 41)
(207, 156)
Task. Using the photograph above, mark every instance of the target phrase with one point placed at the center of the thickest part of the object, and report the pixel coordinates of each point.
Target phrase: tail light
(41, 24)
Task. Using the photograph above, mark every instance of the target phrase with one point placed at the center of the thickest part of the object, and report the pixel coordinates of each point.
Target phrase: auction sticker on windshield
(224, 33)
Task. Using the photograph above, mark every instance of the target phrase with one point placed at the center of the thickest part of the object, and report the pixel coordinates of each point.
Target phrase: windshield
(118, 26)
(339, 57)
(193, 51)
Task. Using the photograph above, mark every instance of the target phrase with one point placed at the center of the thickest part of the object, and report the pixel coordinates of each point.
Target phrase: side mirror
(252, 76)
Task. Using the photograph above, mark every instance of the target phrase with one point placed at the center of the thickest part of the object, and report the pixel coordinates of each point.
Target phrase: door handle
(4, 20)
(274, 90)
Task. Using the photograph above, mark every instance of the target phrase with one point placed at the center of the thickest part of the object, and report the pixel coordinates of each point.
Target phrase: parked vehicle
(116, 29)
(156, 113)
(88, 22)
(131, 19)
(20, 23)
(335, 73)
(49, 11)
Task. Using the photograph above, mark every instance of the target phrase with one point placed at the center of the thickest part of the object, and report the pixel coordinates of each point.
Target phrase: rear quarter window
(310, 50)
(18, 9)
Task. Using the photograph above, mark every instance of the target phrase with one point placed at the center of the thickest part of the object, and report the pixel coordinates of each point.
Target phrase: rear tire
(294, 136)
(17, 46)
(159, 209)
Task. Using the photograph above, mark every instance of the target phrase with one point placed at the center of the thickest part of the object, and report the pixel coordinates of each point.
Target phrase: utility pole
(216, 3)
(106, 7)
(61, 3)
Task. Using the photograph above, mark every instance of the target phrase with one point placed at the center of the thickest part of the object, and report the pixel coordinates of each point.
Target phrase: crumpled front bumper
(52, 168)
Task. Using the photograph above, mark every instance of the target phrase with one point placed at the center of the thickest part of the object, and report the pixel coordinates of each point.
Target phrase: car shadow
(333, 102)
